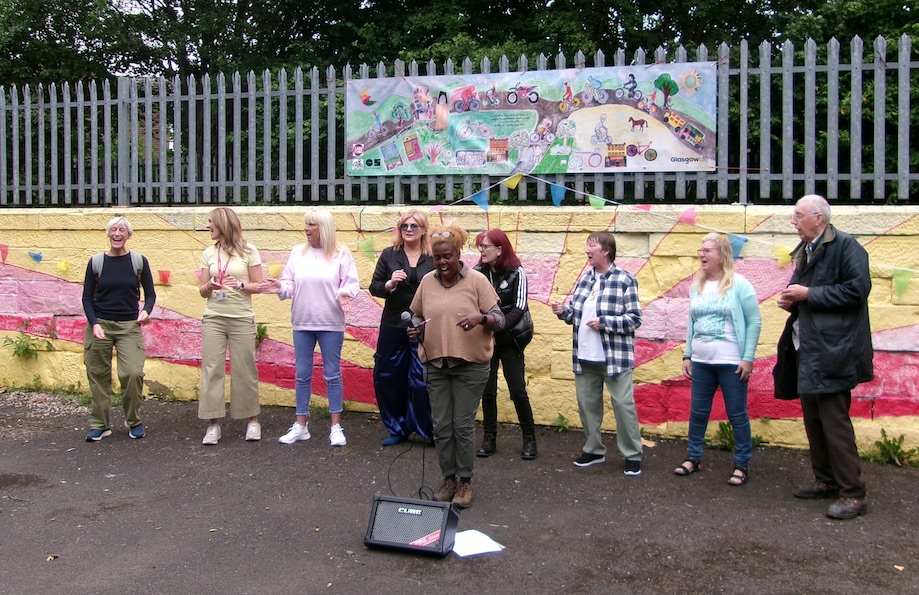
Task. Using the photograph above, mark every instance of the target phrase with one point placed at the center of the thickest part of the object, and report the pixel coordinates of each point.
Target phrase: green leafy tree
(43, 41)
(667, 86)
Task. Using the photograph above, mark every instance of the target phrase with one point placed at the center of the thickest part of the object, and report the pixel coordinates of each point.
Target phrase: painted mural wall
(45, 254)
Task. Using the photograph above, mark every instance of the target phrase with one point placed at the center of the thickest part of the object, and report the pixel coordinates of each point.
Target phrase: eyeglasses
(796, 216)
(483, 246)
(705, 250)
(446, 234)
(408, 226)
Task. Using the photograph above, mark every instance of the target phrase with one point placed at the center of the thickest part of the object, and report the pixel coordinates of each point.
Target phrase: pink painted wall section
(44, 296)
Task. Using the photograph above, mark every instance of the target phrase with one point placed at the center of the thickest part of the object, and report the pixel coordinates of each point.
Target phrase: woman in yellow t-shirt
(231, 271)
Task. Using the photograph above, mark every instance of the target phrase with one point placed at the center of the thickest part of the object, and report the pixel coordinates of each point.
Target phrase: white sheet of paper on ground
(472, 542)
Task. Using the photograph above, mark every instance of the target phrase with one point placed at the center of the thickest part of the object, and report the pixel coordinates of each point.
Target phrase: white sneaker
(253, 432)
(296, 433)
(212, 436)
(337, 436)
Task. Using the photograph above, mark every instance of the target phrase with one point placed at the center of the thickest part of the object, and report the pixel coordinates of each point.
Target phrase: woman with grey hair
(111, 296)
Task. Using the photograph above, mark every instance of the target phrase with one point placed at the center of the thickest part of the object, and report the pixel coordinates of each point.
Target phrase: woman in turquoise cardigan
(724, 325)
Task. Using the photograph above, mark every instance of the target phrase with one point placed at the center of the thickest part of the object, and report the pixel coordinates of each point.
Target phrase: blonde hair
(422, 220)
(328, 241)
(457, 236)
(723, 246)
(231, 238)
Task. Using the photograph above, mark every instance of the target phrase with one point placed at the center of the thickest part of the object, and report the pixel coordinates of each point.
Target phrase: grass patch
(891, 451)
(561, 423)
(724, 439)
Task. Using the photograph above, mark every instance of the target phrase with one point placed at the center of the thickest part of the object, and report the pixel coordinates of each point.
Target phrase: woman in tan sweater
(455, 313)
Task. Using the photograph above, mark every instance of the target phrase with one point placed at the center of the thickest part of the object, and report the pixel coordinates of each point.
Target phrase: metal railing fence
(791, 121)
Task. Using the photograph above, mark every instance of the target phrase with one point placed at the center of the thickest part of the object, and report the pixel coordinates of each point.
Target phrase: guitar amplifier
(420, 526)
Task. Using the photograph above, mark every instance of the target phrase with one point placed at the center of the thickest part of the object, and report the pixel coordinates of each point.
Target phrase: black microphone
(407, 319)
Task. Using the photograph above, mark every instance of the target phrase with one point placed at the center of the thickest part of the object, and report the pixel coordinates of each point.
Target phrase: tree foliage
(43, 40)
(47, 41)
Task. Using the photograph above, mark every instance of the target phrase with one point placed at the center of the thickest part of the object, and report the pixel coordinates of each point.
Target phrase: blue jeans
(330, 343)
(706, 378)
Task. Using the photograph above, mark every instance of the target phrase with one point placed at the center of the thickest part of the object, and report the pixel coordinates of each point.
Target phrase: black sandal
(683, 470)
(738, 479)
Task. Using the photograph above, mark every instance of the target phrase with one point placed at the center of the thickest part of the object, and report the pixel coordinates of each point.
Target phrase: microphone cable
(424, 492)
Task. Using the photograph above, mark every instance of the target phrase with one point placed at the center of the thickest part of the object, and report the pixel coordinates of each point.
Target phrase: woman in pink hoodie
(321, 279)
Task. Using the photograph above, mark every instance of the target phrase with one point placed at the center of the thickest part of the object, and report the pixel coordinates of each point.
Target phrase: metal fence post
(124, 142)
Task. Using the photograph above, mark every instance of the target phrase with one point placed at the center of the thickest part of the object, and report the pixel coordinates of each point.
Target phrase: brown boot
(463, 496)
(529, 451)
(445, 492)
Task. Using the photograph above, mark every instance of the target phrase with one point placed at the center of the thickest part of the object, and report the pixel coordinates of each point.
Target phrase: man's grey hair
(816, 204)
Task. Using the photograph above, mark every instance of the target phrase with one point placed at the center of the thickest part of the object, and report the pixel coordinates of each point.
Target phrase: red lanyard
(221, 273)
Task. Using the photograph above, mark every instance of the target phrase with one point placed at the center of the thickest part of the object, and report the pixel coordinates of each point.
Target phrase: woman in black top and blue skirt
(398, 377)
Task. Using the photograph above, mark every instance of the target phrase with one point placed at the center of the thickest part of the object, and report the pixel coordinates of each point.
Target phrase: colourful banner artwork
(659, 117)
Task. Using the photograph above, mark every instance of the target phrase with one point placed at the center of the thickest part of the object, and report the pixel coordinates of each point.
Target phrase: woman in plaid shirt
(604, 312)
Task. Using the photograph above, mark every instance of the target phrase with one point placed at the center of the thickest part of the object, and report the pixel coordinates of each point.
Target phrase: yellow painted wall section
(46, 252)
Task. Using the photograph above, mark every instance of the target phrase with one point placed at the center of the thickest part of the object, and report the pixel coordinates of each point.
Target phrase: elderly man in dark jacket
(828, 301)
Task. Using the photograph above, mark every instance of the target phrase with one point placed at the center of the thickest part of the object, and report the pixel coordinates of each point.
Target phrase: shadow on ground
(167, 515)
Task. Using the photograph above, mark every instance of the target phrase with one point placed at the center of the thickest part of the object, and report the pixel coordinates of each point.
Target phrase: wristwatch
(484, 319)
(241, 286)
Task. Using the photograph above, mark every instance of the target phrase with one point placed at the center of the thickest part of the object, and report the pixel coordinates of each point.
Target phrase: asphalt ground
(165, 514)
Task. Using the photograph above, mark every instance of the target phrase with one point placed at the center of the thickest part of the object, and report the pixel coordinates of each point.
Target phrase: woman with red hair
(501, 265)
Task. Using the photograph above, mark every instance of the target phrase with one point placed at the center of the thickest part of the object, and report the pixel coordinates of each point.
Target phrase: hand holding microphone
(413, 331)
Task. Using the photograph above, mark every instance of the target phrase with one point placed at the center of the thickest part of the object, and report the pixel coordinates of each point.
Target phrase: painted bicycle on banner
(465, 99)
(591, 158)
(640, 149)
(491, 96)
(470, 129)
(594, 91)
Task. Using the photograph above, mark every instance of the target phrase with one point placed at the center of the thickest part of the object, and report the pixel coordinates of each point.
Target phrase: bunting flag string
(481, 199)
(558, 194)
(512, 181)
(783, 255)
(688, 216)
(366, 245)
(275, 269)
(737, 244)
(901, 279)
(901, 276)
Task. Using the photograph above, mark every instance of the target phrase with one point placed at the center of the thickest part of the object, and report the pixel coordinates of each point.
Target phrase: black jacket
(399, 300)
(507, 286)
(835, 352)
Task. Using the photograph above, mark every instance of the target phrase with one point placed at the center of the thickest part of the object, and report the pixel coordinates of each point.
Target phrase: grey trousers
(455, 394)
(589, 388)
